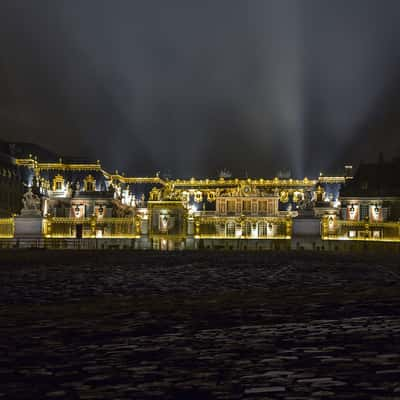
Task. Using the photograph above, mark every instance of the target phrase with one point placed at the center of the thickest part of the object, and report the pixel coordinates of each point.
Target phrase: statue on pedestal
(31, 202)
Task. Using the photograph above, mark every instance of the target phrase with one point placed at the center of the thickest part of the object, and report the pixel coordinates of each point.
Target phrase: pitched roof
(379, 179)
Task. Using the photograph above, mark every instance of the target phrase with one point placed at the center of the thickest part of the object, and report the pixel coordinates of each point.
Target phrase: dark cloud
(191, 87)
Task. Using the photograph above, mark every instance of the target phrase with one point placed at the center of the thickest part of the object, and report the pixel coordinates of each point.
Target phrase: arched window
(247, 229)
(262, 229)
(230, 228)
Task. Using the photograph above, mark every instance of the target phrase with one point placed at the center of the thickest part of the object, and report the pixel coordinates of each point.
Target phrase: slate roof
(381, 179)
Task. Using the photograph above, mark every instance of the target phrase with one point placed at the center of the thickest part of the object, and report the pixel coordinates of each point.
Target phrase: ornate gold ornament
(198, 197)
(297, 196)
(246, 190)
(284, 196)
(154, 194)
(211, 196)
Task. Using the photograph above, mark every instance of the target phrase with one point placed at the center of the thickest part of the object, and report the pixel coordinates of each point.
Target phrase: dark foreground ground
(198, 326)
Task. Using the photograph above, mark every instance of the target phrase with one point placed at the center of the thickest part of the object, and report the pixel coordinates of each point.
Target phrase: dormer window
(58, 183)
(89, 183)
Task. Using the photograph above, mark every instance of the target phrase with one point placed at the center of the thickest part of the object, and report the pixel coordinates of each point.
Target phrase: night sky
(192, 87)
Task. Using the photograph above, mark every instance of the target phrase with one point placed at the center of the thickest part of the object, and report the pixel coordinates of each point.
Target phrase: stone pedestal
(306, 227)
(190, 243)
(29, 224)
(143, 243)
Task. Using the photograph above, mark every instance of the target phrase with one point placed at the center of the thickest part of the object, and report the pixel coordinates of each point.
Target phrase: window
(58, 182)
(263, 206)
(247, 206)
(89, 183)
(364, 211)
(230, 229)
(270, 209)
(247, 229)
(352, 234)
(220, 229)
(376, 234)
(231, 209)
(266, 207)
(262, 229)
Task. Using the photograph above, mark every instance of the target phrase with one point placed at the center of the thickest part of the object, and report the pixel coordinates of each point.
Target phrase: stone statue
(69, 189)
(121, 210)
(306, 203)
(31, 201)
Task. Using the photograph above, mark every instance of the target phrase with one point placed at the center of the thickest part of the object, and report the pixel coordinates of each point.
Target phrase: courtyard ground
(205, 325)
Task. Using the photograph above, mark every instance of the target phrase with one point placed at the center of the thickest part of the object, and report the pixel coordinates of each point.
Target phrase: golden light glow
(58, 183)
(61, 227)
(360, 230)
(7, 228)
(245, 208)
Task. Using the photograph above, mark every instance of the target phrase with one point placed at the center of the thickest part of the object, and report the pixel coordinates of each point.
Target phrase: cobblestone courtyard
(128, 325)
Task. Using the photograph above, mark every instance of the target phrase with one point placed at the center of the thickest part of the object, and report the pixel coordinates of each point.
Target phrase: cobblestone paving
(199, 326)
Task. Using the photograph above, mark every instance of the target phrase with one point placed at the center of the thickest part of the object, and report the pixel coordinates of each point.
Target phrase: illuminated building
(370, 205)
(81, 200)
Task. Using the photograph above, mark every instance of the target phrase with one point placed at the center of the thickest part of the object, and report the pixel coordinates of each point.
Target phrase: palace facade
(78, 201)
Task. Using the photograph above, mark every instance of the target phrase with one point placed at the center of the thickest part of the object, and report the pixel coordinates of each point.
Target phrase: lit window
(270, 207)
(262, 229)
(231, 206)
(247, 229)
(230, 229)
(352, 234)
(263, 204)
(246, 206)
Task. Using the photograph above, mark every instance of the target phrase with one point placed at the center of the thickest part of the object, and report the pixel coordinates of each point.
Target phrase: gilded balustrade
(59, 227)
(242, 227)
(7, 228)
